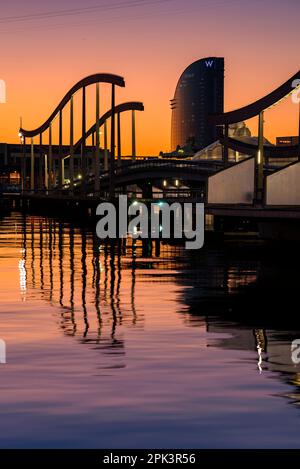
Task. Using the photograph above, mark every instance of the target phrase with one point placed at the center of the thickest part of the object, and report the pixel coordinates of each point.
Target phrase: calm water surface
(126, 346)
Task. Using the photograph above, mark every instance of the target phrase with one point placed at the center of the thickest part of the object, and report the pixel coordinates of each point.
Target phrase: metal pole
(260, 159)
(71, 171)
(83, 155)
(46, 172)
(133, 136)
(225, 148)
(32, 166)
(60, 154)
(41, 163)
(50, 162)
(119, 138)
(105, 147)
(97, 156)
(112, 145)
(24, 165)
(63, 170)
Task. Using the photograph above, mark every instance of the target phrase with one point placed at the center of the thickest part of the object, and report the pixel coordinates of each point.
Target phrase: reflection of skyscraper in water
(199, 92)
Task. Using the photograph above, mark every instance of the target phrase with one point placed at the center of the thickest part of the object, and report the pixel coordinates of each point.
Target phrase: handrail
(256, 107)
(128, 106)
(270, 151)
(89, 80)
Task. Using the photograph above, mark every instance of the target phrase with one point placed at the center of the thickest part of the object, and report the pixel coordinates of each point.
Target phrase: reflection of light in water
(259, 351)
(260, 346)
(22, 271)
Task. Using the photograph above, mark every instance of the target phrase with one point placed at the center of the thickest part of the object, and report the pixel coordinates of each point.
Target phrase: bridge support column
(24, 165)
(71, 165)
(32, 166)
(50, 159)
(225, 147)
(41, 179)
(105, 148)
(46, 177)
(97, 154)
(259, 166)
(83, 149)
(112, 146)
(133, 135)
(119, 138)
(62, 169)
(60, 155)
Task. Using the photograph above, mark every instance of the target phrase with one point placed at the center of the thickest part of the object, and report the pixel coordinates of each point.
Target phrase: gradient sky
(150, 43)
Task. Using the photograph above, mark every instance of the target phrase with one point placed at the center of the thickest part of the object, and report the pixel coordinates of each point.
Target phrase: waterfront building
(199, 92)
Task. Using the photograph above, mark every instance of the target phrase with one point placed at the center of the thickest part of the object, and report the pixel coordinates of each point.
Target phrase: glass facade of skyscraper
(199, 92)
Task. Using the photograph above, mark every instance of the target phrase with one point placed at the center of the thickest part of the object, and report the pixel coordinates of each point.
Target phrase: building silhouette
(199, 92)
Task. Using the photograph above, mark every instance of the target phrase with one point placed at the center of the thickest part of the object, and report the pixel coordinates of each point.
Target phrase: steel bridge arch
(89, 80)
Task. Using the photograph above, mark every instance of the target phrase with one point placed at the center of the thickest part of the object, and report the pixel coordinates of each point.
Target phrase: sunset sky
(46, 48)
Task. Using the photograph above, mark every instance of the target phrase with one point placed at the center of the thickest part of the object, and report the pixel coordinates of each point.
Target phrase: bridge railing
(172, 164)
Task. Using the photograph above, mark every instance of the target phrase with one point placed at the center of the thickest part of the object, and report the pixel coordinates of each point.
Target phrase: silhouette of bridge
(251, 186)
(262, 152)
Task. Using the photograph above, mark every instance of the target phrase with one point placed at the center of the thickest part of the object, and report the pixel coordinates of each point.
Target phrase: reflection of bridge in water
(93, 288)
(250, 300)
(92, 284)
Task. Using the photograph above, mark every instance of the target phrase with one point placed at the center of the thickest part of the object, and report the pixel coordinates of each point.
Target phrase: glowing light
(258, 157)
(176, 182)
(164, 183)
(22, 271)
(259, 351)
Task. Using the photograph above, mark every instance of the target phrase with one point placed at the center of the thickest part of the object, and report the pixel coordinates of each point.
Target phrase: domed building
(238, 131)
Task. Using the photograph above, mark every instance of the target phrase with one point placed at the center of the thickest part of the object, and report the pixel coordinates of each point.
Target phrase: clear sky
(47, 47)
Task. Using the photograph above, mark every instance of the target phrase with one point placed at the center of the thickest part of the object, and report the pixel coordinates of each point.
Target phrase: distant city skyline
(46, 49)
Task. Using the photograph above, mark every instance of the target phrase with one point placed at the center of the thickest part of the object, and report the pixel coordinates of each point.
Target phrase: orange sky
(150, 46)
